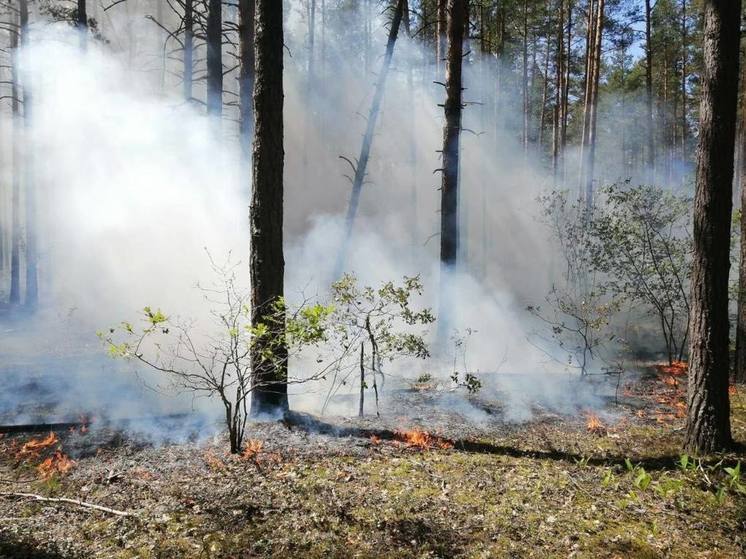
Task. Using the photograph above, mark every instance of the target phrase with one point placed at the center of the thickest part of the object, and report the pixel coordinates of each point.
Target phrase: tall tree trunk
(269, 375)
(215, 58)
(16, 232)
(650, 123)
(188, 48)
(246, 10)
(596, 72)
(32, 286)
(708, 405)
(449, 226)
(361, 164)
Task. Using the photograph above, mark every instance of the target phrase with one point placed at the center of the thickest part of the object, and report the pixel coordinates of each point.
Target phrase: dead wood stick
(78, 502)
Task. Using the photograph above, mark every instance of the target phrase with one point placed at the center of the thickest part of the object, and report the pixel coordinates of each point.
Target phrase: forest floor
(608, 485)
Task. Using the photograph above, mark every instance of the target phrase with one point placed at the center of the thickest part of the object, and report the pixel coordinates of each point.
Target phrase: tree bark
(708, 406)
(189, 48)
(215, 58)
(440, 38)
(269, 375)
(449, 226)
(740, 357)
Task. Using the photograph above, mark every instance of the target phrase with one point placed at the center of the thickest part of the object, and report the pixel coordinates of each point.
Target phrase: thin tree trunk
(544, 96)
(361, 163)
(361, 403)
(684, 56)
(32, 286)
(708, 405)
(596, 72)
(558, 90)
(449, 226)
(524, 81)
(16, 233)
(269, 375)
(188, 48)
(247, 10)
(650, 124)
(215, 58)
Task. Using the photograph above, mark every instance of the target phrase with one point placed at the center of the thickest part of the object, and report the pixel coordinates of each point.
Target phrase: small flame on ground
(594, 425)
(677, 368)
(34, 446)
(422, 439)
(732, 390)
(252, 449)
(375, 440)
(57, 464)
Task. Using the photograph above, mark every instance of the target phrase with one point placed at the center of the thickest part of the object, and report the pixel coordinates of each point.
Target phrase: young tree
(708, 406)
(269, 372)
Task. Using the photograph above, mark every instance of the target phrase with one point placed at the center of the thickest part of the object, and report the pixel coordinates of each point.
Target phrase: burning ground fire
(419, 439)
(55, 464)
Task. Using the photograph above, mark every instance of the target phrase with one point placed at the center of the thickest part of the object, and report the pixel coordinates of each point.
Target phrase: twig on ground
(78, 502)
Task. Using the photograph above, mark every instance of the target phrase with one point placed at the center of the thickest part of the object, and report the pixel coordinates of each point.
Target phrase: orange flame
(58, 463)
(677, 368)
(35, 446)
(422, 439)
(375, 440)
(252, 450)
(594, 424)
(670, 381)
(732, 390)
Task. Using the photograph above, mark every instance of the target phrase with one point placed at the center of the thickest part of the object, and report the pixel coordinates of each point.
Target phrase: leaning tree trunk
(269, 373)
(449, 229)
(32, 286)
(247, 10)
(215, 58)
(188, 48)
(361, 164)
(15, 247)
(708, 406)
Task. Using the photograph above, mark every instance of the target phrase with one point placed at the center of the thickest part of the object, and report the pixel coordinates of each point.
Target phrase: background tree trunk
(266, 211)
(189, 48)
(16, 232)
(247, 10)
(215, 58)
(650, 126)
(440, 38)
(708, 406)
(449, 227)
(32, 285)
(82, 23)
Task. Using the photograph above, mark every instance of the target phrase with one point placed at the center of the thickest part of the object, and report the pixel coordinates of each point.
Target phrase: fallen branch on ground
(78, 502)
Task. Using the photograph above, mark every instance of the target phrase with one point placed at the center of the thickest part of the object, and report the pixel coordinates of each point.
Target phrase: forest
(372, 278)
